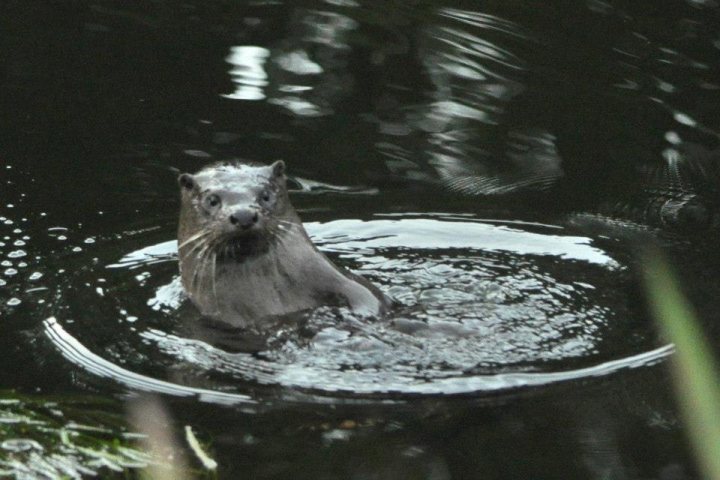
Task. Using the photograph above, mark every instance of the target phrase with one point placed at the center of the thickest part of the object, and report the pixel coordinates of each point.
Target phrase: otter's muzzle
(244, 218)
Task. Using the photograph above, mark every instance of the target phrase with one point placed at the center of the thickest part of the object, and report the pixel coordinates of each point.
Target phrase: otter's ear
(186, 181)
(278, 168)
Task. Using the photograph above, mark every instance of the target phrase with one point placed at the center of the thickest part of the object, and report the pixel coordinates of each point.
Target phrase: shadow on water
(491, 167)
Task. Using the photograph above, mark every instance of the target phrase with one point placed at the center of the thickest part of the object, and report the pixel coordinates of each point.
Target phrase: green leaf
(695, 375)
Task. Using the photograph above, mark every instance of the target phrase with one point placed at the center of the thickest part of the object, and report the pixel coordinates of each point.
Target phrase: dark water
(491, 166)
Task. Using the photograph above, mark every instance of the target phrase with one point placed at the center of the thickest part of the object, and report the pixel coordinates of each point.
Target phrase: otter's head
(236, 209)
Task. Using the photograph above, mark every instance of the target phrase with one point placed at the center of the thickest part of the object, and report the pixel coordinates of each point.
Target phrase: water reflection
(299, 63)
(305, 75)
(483, 307)
(603, 107)
(248, 72)
(470, 63)
(298, 375)
(326, 28)
(78, 354)
(475, 75)
(358, 238)
(73, 438)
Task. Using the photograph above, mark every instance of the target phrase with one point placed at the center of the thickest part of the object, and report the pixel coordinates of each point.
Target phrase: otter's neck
(290, 276)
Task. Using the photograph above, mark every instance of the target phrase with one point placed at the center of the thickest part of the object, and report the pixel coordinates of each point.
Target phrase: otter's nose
(244, 218)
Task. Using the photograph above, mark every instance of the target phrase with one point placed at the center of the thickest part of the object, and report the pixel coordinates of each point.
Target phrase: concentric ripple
(483, 306)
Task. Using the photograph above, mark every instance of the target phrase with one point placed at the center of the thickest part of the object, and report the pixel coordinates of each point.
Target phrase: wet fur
(271, 269)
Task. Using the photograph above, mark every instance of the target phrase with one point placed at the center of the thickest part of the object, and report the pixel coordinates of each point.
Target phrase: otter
(245, 256)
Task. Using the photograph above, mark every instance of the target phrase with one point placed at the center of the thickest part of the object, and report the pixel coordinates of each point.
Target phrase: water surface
(492, 167)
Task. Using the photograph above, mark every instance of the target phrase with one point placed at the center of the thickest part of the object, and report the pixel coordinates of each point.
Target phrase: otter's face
(241, 206)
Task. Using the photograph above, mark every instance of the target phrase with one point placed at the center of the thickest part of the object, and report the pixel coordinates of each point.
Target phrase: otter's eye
(265, 196)
(213, 201)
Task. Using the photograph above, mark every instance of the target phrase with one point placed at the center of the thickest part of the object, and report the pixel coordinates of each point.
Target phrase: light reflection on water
(290, 77)
(482, 307)
(606, 108)
(248, 72)
(78, 354)
(319, 381)
(362, 238)
(345, 236)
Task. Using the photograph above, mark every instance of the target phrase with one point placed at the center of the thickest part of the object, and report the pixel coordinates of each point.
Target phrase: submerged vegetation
(67, 437)
(73, 437)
